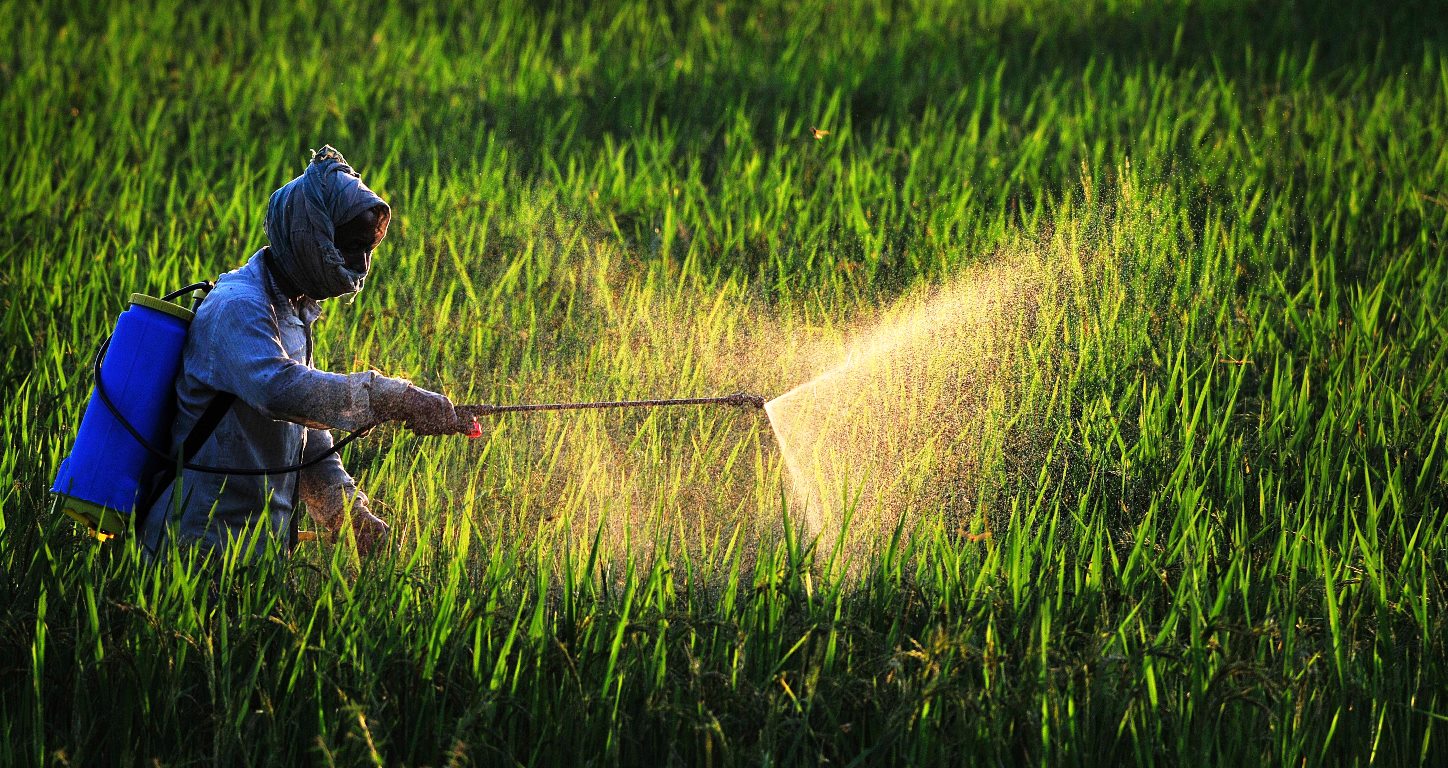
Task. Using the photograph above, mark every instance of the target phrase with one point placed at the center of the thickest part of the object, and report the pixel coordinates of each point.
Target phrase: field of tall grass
(1164, 484)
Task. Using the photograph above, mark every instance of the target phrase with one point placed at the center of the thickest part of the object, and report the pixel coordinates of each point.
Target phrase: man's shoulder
(240, 292)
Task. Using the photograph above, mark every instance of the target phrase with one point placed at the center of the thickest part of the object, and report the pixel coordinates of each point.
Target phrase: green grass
(1216, 491)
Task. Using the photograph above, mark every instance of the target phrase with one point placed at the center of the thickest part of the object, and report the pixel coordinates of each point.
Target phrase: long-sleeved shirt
(249, 339)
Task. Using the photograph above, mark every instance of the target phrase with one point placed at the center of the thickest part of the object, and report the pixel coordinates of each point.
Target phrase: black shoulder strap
(210, 418)
(201, 431)
(215, 410)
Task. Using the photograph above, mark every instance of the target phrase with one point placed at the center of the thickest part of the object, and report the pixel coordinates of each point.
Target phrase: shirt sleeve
(247, 358)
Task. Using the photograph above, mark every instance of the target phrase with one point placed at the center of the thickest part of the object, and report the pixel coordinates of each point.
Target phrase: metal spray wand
(474, 412)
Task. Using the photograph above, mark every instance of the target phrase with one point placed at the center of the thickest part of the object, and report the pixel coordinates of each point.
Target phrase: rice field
(1105, 342)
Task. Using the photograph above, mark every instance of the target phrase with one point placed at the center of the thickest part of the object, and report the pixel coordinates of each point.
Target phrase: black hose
(206, 285)
(169, 458)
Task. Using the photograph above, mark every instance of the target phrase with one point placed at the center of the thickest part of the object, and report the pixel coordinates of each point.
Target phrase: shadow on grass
(778, 84)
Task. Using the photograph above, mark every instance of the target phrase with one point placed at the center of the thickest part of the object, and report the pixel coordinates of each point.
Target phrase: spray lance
(471, 413)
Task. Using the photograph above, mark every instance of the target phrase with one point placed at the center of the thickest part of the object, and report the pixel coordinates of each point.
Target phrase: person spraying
(251, 343)
(208, 425)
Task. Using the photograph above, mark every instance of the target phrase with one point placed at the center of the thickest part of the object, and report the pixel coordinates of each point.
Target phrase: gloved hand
(333, 508)
(424, 412)
(371, 533)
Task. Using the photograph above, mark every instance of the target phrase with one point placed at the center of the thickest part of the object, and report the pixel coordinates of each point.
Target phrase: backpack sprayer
(116, 463)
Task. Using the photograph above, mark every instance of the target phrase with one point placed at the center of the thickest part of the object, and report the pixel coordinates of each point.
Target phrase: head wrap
(301, 221)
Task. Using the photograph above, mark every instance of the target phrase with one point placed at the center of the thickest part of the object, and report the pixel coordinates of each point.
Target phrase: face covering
(301, 222)
(357, 238)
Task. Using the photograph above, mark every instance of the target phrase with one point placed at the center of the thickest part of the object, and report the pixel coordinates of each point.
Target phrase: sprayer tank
(107, 470)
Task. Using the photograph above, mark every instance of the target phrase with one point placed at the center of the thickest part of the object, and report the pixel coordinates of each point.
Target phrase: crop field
(1104, 344)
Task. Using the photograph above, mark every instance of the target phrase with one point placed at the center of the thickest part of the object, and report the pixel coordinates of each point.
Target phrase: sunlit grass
(1196, 518)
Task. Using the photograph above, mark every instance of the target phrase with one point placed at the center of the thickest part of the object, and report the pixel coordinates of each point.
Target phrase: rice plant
(1175, 497)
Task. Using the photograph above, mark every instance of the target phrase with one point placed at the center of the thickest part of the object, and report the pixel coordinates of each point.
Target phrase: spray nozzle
(744, 399)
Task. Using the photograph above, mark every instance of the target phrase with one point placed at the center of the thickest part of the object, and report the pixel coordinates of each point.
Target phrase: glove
(369, 530)
(330, 510)
(424, 412)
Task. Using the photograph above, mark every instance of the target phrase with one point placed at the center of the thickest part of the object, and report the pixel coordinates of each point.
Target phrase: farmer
(252, 338)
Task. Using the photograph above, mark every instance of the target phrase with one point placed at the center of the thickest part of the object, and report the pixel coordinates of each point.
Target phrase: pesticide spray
(903, 417)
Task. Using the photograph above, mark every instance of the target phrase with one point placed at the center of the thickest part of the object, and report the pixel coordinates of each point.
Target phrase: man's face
(357, 237)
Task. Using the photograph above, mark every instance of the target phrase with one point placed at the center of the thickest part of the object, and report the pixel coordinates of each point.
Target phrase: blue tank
(101, 481)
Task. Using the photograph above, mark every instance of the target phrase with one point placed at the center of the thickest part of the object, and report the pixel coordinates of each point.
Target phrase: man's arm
(250, 362)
